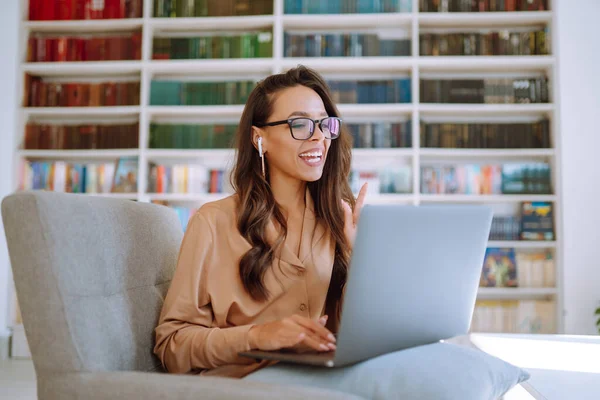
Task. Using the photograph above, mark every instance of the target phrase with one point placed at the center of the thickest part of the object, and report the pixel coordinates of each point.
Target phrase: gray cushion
(437, 371)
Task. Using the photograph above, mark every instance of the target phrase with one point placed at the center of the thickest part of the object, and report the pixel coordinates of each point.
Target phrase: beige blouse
(207, 313)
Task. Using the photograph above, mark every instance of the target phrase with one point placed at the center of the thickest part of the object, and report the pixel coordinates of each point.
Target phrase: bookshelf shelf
(515, 293)
(484, 19)
(187, 197)
(238, 23)
(409, 25)
(382, 153)
(520, 64)
(81, 111)
(214, 66)
(356, 65)
(375, 110)
(232, 111)
(122, 196)
(389, 198)
(471, 198)
(522, 244)
(84, 26)
(354, 21)
(97, 154)
(487, 153)
(486, 109)
(84, 68)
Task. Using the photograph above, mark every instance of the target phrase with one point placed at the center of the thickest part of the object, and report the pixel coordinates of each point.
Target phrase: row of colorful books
(247, 45)
(346, 6)
(482, 5)
(60, 176)
(509, 178)
(493, 91)
(391, 180)
(505, 267)
(40, 93)
(191, 136)
(514, 316)
(208, 8)
(498, 43)
(344, 45)
(187, 178)
(53, 48)
(531, 135)
(381, 134)
(175, 93)
(71, 137)
(370, 91)
(51, 10)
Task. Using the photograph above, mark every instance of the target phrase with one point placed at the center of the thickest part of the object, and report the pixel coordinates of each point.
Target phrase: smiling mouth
(312, 157)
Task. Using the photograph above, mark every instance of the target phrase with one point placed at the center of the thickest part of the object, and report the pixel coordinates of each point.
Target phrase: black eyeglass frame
(316, 122)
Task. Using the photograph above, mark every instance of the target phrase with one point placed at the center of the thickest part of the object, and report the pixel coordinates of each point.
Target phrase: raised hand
(351, 216)
(296, 332)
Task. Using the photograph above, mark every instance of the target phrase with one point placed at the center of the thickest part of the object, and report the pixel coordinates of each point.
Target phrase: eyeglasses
(303, 128)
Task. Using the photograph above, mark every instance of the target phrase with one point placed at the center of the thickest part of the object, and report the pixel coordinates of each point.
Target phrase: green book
(264, 45)
(173, 8)
(201, 8)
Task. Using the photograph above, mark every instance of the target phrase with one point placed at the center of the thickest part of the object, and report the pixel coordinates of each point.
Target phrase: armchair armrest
(128, 385)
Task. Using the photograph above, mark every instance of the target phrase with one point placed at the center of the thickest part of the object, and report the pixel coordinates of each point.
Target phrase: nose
(318, 134)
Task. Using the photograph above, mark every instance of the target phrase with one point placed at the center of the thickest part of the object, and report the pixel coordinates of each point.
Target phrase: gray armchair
(91, 274)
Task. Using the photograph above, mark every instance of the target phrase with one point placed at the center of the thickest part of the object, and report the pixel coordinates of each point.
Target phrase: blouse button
(302, 307)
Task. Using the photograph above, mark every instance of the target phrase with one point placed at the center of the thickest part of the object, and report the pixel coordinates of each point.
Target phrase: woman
(265, 268)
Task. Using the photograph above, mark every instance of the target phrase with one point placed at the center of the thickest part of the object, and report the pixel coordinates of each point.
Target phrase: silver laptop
(413, 280)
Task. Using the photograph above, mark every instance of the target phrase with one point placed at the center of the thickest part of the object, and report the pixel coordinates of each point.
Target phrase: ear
(256, 133)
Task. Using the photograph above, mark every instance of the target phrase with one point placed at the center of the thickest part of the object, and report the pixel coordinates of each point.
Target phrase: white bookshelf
(415, 66)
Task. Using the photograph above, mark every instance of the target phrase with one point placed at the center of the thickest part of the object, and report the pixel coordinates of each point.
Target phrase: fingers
(360, 200)
(316, 328)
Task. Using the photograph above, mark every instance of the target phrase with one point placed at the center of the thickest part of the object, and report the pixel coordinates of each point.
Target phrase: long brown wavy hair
(257, 206)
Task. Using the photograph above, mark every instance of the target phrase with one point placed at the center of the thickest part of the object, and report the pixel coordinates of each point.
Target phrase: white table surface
(561, 366)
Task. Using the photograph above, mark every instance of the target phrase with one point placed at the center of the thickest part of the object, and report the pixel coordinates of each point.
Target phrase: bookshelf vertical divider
(414, 64)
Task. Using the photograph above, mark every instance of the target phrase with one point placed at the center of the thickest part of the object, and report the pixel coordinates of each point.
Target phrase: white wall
(9, 23)
(579, 90)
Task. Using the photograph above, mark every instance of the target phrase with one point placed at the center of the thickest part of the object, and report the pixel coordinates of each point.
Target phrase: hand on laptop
(296, 332)
(351, 216)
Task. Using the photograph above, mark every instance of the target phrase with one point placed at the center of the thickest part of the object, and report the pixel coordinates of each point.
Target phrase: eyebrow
(305, 114)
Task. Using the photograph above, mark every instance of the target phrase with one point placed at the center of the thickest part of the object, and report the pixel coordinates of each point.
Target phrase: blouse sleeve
(185, 337)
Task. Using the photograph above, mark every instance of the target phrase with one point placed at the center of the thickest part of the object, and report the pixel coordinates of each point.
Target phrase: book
(83, 137)
(346, 45)
(482, 5)
(187, 178)
(67, 177)
(513, 316)
(370, 91)
(486, 135)
(50, 47)
(172, 92)
(45, 92)
(208, 8)
(346, 6)
(490, 43)
(191, 136)
(389, 180)
(489, 91)
(537, 221)
(125, 178)
(381, 134)
(499, 268)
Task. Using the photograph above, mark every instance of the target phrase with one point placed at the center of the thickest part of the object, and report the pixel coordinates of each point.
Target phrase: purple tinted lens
(333, 124)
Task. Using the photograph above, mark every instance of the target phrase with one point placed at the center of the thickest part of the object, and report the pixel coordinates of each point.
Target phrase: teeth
(313, 154)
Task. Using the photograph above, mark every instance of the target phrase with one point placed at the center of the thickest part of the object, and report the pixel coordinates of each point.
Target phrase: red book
(110, 94)
(74, 95)
(93, 9)
(31, 49)
(114, 9)
(32, 137)
(133, 8)
(34, 10)
(65, 9)
(41, 51)
(79, 9)
(47, 10)
(136, 47)
(61, 52)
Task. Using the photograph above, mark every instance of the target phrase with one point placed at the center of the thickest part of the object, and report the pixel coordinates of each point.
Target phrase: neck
(288, 193)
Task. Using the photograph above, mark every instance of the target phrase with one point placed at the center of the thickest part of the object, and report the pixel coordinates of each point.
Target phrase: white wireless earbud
(260, 150)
